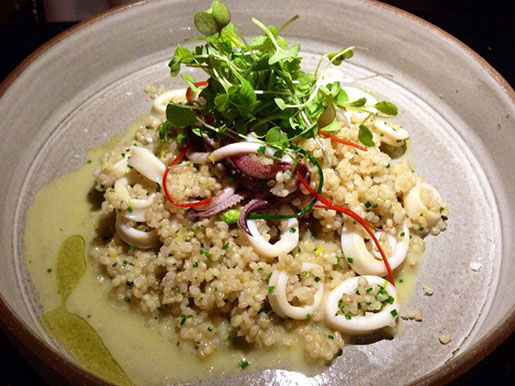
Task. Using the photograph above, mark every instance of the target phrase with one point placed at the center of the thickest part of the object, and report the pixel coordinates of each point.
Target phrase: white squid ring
(364, 262)
(133, 236)
(139, 206)
(279, 300)
(371, 321)
(391, 136)
(145, 162)
(286, 243)
(415, 206)
(162, 100)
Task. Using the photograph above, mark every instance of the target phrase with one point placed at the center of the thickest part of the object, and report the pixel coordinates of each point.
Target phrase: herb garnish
(257, 86)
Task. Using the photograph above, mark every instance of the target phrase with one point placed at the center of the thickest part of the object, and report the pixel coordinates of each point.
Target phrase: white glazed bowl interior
(459, 112)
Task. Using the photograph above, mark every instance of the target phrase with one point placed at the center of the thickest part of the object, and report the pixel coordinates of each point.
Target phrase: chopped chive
(114, 264)
(394, 312)
(308, 316)
(127, 299)
(195, 264)
(271, 289)
(184, 318)
(129, 283)
(210, 329)
(129, 209)
(402, 234)
(388, 166)
(225, 246)
(132, 247)
(350, 260)
(390, 300)
(49, 270)
(368, 204)
(293, 230)
(330, 337)
(317, 279)
(244, 364)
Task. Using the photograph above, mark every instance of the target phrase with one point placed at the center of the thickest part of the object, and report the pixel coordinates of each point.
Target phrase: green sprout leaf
(333, 126)
(387, 108)
(180, 116)
(181, 55)
(341, 98)
(222, 102)
(221, 13)
(205, 23)
(365, 136)
(358, 102)
(338, 57)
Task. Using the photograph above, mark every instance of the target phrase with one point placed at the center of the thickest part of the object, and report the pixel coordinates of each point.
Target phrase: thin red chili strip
(165, 188)
(189, 91)
(355, 216)
(340, 140)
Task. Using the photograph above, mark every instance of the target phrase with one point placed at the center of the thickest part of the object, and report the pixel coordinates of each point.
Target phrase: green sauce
(84, 344)
(70, 266)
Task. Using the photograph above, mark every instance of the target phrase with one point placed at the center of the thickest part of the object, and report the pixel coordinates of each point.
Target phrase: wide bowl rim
(63, 368)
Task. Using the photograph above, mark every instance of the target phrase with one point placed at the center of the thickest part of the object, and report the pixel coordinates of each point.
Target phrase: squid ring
(133, 236)
(415, 205)
(289, 239)
(361, 324)
(162, 100)
(145, 162)
(279, 301)
(365, 262)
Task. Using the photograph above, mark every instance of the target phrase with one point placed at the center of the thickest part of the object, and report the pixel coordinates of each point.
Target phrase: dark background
(488, 27)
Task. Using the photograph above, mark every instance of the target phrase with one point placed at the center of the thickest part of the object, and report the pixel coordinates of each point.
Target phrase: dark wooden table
(488, 27)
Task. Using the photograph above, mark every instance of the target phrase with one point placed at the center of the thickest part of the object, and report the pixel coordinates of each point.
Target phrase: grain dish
(250, 206)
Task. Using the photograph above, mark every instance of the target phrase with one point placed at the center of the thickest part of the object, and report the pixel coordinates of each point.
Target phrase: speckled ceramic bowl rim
(55, 367)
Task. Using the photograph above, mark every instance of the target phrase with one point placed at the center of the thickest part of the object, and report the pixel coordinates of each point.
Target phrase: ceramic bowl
(459, 110)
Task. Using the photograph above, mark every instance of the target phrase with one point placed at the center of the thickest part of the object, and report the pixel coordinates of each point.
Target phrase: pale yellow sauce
(60, 210)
